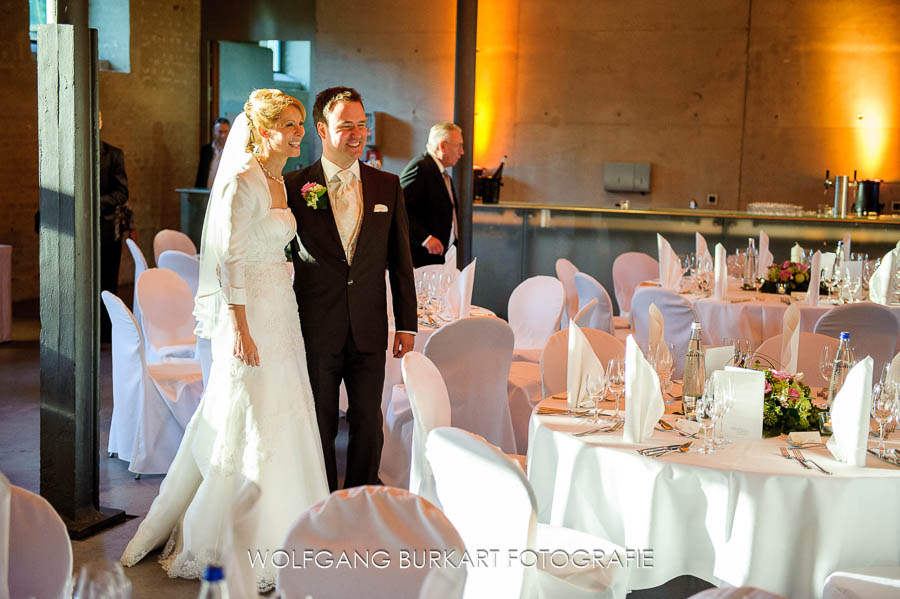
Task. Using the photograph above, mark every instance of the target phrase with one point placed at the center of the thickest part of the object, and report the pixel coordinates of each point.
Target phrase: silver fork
(803, 459)
(787, 456)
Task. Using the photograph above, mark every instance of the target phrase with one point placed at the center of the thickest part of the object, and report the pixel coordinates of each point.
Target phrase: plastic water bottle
(213, 584)
(694, 373)
(843, 362)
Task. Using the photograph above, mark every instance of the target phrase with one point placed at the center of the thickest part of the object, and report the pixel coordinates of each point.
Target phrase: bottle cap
(695, 326)
(845, 336)
(213, 574)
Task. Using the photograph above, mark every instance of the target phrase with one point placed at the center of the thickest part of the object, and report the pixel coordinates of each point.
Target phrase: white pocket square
(380, 208)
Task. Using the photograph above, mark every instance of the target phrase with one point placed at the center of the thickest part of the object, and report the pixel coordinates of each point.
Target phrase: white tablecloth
(743, 516)
(5, 292)
(740, 315)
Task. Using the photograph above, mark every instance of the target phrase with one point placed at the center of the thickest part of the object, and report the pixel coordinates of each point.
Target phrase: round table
(742, 516)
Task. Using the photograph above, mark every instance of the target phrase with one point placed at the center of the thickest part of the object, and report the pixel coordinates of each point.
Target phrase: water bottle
(213, 584)
(838, 260)
(694, 373)
(843, 362)
(749, 272)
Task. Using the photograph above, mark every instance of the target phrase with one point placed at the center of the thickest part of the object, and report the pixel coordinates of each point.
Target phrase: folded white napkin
(850, 415)
(797, 253)
(643, 401)
(765, 256)
(669, 265)
(459, 296)
(894, 370)
(450, 264)
(815, 265)
(717, 358)
(656, 326)
(846, 246)
(701, 250)
(720, 286)
(790, 339)
(880, 283)
(583, 370)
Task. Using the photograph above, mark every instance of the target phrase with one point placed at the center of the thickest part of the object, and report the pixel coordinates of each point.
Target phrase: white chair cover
(587, 316)
(167, 239)
(677, 313)
(630, 270)
(140, 265)
(534, 309)
(39, 551)
(187, 267)
(565, 272)
(180, 383)
(4, 536)
(167, 308)
(875, 582)
(811, 344)
(873, 330)
(490, 502)
(237, 540)
(430, 405)
(367, 520)
(555, 358)
(144, 430)
(441, 583)
(474, 356)
(589, 288)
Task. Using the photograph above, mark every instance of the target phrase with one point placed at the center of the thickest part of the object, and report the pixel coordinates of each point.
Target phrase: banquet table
(741, 315)
(741, 516)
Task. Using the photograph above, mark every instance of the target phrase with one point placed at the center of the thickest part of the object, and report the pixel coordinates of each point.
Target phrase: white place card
(717, 358)
(745, 420)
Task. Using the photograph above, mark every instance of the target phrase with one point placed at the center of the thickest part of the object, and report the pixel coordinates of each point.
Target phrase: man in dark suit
(113, 197)
(210, 154)
(430, 198)
(346, 240)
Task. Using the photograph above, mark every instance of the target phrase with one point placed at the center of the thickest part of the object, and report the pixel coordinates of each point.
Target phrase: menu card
(745, 420)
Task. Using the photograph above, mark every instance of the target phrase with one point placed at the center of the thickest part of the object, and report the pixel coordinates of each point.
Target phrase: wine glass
(597, 384)
(758, 281)
(615, 372)
(102, 579)
(664, 354)
(883, 407)
(725, 398)
(705, 411)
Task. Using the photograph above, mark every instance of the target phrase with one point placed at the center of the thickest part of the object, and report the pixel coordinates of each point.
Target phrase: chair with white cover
(555, 359)
(565, 272)
(678, 315)
(589, 288)
(35, 551)
(375, 522)
(140, 265)
(588, 315)
(492, 505)
(769, 355)
(147, 423)
(167, 239)
(630, 270)
(187, 267)
(873, 330)
(874, 582)
(534, 310)
(430, 404)
(473, 356)
(167, 315)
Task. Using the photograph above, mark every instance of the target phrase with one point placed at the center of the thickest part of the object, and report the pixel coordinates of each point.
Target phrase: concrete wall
(151, 113)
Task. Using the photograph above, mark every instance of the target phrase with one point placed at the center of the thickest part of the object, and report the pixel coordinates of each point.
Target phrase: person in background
(430, 198)
(115, 221)
(211, 153)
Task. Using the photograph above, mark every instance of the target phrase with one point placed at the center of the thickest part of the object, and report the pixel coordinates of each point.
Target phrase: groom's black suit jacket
(334, 296)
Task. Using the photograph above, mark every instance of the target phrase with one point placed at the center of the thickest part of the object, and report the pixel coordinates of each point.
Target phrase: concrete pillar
(464, 116)
(69, 264)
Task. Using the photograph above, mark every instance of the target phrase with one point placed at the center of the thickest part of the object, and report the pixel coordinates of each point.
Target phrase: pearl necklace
(266, 171)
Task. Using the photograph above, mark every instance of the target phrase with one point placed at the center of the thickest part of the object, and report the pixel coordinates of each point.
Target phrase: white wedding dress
(254, 424)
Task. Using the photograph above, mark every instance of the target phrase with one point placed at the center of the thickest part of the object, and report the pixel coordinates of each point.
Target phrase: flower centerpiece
(794, 275)
(787, 405)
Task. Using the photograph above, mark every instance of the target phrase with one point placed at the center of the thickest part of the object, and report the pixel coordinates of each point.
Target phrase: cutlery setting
(798, 456)
(606, 429)
(655, 452)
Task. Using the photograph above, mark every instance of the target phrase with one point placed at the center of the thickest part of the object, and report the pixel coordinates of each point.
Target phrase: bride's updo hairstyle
(263, 109)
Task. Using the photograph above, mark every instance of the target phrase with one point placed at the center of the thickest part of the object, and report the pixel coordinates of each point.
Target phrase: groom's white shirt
(333, 183)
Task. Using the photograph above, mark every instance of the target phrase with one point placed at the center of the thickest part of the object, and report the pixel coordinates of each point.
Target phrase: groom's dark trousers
(343, 311)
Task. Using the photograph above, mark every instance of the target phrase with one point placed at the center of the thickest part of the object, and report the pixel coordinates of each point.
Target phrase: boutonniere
(314, 194)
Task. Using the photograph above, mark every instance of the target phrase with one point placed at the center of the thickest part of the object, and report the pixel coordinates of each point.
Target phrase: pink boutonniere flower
(314, 194)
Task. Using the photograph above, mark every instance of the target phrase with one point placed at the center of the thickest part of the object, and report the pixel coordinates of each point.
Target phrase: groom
(348, 236)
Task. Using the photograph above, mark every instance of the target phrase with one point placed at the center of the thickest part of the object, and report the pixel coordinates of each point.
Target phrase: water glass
(615, 372)
(102, 579)
(705, 410)
(883, 407)
(725, 398)
(597, 386)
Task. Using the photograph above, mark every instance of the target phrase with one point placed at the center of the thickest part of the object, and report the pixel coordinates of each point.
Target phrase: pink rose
(768, 388)
(307, 187)
(786, 264)
(785, 275)
(794, 393)
(780, 374)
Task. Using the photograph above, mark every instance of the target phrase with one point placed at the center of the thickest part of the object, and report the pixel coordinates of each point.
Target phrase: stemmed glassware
(757, 283)
(724, 398)
(662, 358)
(615, 372)
(832, 282)
(705, 410)
(826, 364)
(102, 579)
(741, 350)
(884, 405)
(597, 386)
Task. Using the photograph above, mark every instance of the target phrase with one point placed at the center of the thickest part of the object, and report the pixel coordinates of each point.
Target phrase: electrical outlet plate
(712, 199)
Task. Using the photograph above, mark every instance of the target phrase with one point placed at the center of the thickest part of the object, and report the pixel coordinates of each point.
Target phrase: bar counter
(515, 241)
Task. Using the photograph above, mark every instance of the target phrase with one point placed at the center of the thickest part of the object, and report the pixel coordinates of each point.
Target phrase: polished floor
(20, 459)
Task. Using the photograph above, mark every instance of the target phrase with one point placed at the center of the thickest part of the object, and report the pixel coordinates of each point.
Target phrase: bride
(257, 420)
